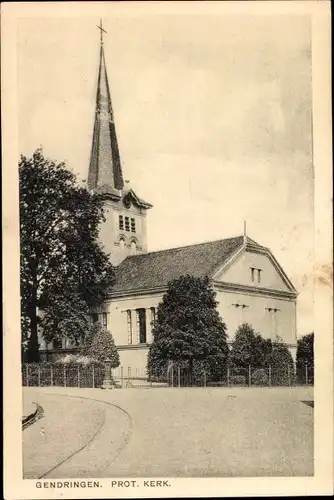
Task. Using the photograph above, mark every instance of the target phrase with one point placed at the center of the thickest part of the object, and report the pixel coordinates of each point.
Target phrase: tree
(249, 348)
(99, 345)
(281, 363)
(66, 316)
(188, 327)
(305, 357)
(60, 254)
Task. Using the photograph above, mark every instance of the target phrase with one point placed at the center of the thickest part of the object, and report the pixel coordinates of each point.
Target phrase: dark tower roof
(105, 171)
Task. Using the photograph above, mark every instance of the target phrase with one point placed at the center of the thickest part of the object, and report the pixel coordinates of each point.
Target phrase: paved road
(171, 433)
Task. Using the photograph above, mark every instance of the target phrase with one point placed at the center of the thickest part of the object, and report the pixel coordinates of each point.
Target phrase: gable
(240, 272)
(130, 198)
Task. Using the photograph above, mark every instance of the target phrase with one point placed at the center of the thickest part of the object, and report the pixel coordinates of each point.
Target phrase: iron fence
(56, 374)
(77, 375)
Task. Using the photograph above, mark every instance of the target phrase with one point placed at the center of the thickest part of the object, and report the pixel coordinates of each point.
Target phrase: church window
(122, 243)
(133, 248)
(121, 222)
(127, 224)
(252, 269)
(133, 225)
(141, 325)
(129, 323)
(104, 319)
(259, 275)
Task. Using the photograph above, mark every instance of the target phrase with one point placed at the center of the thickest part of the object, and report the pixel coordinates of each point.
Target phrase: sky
(213, 117)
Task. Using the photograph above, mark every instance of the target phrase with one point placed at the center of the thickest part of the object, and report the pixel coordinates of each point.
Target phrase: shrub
(260, 377)
(188, 328)
(67, 359)
(237, 380)
(71, 371)
(305, 359)
(100, 346)
(249, 347)
(281, 362)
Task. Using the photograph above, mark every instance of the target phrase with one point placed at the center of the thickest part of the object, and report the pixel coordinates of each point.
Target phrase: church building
(250, 284)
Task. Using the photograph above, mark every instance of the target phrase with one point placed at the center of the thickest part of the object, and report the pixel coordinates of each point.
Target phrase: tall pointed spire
(105, 171)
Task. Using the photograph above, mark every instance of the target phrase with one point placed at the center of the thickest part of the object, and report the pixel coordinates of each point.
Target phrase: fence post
(204, 378)
(289, 381)
(228, 376)
(172, 376)
(51, 375)
(27, 374)
(269, 377)
(78, 375)
(179, 376)
(64, 375)
(306, 374)
(249, 375)
(122, 376)
(39, 375)
(93, 376)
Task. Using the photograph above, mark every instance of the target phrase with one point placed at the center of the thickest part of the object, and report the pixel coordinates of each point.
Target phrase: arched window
(133, 248)
(122, 243)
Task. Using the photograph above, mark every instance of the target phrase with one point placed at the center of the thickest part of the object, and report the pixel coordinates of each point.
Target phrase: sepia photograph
(165, 170)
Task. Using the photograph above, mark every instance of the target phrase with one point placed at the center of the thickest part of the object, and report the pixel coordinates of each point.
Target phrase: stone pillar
(107, 382)
(136, 327)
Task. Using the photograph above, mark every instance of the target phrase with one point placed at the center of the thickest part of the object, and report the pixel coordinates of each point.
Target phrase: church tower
(124, 231)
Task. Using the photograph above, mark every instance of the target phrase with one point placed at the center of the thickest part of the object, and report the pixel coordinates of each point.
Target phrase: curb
(32, 417)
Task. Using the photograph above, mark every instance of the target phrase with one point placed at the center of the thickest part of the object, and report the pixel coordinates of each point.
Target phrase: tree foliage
(66, 316)
(99, 345)
(63, 269)
(305, 357)
(249, 348)
(281, 363)
(188, 328)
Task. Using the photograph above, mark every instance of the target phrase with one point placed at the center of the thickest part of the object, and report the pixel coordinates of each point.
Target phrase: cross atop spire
(101, 31)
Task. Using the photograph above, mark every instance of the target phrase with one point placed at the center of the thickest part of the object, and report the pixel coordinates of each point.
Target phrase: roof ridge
(185, 246)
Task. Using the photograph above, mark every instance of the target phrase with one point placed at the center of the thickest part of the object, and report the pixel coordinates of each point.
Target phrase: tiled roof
(156, 269)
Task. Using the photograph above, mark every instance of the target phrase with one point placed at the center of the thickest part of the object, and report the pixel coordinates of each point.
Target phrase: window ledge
(133, 346)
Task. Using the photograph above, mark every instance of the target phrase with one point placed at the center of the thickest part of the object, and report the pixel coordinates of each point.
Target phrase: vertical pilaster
(133, 326)
(149, 325)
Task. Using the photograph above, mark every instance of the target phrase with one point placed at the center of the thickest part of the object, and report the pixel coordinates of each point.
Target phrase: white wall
(239, 272)
(256, 314)
(267, 323)
(109, 232)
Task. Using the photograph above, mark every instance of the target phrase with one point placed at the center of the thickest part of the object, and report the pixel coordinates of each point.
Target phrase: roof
(156, 269)
(105, 164)
(130, 194)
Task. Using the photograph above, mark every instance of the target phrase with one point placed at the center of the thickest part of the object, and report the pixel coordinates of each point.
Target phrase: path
(177, 432)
